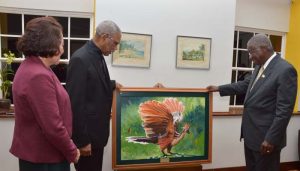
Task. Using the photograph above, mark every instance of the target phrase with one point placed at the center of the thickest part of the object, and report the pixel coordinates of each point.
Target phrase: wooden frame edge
(154, 165)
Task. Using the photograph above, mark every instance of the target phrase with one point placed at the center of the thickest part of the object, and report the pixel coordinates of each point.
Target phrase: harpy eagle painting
(160, 123)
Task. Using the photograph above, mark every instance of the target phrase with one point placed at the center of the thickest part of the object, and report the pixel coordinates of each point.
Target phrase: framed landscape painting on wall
(134, 50)
(155, 128)
(193, 52)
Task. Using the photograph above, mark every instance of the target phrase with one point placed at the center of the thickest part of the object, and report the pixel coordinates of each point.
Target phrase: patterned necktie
(261, 70)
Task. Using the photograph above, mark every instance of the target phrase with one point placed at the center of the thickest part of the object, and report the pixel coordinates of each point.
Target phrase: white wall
(56, 5)
(7, 160)
(263, 14)
(164, 20)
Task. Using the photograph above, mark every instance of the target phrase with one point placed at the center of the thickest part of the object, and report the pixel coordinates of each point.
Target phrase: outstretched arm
(239, 87)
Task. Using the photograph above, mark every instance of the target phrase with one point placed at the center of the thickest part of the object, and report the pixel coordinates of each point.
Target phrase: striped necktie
(261, 70)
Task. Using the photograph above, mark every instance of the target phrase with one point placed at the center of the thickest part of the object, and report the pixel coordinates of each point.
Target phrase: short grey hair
(107, 27)
(260, 40)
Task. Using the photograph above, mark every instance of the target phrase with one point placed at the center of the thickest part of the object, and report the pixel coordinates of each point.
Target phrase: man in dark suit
(90, 90)
(270, 98)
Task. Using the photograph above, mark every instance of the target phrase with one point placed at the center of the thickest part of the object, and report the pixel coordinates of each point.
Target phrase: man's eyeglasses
(114, 42)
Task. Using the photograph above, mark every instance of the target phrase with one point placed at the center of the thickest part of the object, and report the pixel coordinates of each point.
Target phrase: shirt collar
(93, 45)
(95, 49)
(269, 60)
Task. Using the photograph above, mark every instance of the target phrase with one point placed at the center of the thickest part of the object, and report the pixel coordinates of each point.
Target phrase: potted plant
(5, 73)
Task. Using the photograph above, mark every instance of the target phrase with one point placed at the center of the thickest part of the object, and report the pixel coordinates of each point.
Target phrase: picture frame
(134, 50)
(193, 52)
(139, 140)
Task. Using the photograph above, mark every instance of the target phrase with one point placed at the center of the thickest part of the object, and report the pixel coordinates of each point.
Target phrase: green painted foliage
(191, 145)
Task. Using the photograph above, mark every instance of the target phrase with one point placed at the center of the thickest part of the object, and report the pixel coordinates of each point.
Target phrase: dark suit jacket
(43, 117)
(90, 89)
(269, 105)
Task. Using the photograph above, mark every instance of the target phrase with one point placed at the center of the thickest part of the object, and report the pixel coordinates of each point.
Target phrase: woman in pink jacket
(43, 117)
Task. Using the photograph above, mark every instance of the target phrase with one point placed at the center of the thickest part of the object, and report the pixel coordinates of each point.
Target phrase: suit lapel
(101, 73)
(96, 58)
(255, 72)
(265, 76)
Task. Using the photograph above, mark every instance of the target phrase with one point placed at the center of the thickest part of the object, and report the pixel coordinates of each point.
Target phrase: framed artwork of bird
(161, 127)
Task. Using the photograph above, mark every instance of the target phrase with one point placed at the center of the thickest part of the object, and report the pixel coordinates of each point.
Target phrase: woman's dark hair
(42, 38)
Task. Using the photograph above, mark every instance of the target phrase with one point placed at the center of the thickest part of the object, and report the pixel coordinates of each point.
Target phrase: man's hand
(159, 85)
(212, 88)
(86, 150)
(118, 85)
(266, 148)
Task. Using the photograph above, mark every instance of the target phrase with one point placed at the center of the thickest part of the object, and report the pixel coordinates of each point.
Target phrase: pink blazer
(43, 117)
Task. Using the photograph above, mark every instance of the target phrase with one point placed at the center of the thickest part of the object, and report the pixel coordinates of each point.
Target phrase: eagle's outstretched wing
(156, 118)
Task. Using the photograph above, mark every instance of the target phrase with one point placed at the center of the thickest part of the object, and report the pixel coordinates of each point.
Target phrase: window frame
(68, 37)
